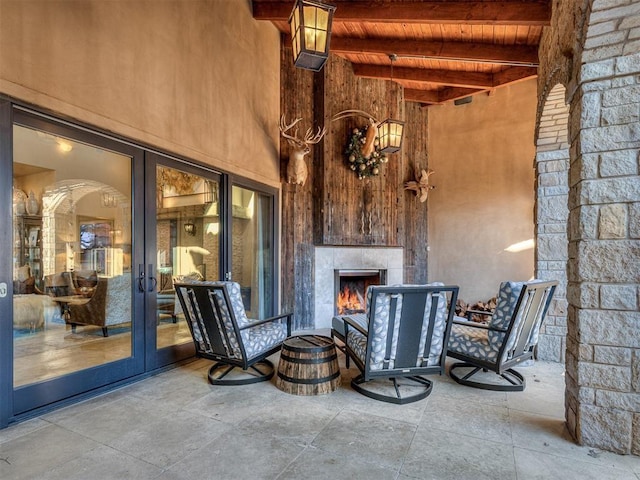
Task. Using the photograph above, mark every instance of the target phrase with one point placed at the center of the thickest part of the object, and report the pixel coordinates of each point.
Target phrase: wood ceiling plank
(514, 12)
(480, 52)
(421, 96)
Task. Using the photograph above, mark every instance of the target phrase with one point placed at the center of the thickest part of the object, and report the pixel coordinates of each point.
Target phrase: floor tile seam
(382, 417)
(133, 457)
(359, 459)
(474, 437)
(18, 424)
(540, 414)
(293, 460)
(585, 461)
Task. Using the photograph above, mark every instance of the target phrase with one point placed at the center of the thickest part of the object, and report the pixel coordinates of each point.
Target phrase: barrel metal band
(308, 361)
(309, 381)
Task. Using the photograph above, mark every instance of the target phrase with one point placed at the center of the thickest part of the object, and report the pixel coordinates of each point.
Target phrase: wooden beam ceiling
(445, 50)
(514, 12)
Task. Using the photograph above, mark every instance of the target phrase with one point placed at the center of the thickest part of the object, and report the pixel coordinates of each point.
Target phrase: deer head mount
(297, 171)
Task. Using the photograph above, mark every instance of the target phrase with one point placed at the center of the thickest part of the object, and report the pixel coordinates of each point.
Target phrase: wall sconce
(390, 131)
(109, 200)
(190, 228)
(310, 24)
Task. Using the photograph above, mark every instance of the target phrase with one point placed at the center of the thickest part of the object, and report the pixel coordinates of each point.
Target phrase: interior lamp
(390, 131)
(310, 24)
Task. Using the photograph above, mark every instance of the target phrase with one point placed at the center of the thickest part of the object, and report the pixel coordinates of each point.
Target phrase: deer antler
(284, 128)
(309, 139)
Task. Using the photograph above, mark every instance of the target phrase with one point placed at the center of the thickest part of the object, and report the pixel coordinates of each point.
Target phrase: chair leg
(258, 372)
(512, 381)
(416, 383)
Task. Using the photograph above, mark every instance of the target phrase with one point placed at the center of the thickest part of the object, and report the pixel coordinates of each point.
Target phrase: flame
(349, 301)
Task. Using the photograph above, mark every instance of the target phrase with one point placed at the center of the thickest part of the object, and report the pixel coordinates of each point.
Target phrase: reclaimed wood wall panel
(334, 207)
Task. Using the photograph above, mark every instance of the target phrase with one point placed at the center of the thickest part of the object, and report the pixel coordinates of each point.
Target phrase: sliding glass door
(184, 239)
(72, 251)
(98, 230)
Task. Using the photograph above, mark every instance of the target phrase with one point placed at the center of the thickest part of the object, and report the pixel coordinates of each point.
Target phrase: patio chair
(404, 340)
(222, 332)
(508, 338)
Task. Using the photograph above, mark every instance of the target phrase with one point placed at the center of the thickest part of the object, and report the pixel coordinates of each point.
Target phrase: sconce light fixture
(390, 131)
(109, 200)
(310, 24)
(190, 228)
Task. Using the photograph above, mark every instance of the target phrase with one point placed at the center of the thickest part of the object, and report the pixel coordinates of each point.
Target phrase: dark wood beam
(454, 93)
(440, 77)
(421, 96)
(458, 51)
(513, 74)
(513, 12)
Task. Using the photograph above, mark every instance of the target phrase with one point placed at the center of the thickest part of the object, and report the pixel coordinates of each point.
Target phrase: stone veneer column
(552, 166)
(603, 340)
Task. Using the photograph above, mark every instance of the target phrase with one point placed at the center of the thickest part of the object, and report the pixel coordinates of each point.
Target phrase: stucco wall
(482, 154)
(199, 78)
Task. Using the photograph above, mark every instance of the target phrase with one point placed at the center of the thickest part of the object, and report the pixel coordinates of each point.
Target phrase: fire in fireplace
(351, 287)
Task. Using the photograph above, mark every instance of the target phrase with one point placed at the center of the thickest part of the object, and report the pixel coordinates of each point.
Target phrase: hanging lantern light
(310, 24)
(390, 131)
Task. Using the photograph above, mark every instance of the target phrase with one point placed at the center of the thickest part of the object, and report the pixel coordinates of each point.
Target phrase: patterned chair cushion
(261, 338)
(358, 342)
(472, 341)
(501, 318)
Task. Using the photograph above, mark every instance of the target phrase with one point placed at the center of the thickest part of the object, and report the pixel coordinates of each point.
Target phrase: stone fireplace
(361, 263)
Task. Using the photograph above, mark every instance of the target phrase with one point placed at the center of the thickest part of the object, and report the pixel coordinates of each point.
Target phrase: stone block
(609, 261)
(635, 440)
(583, 223)
(587, 396)
(601, 52)
(610, 190)
(605, 428)
(585, 352)
(605, 10)
(631, 47)
(550, 348)
(630, 22)
(612, 355)
(590, 109)
(620, 162)
(620, 115)
(621, 96)
(609, 377)
(619, 297)
(552, 209)
(618, 400)
(613, 221)
(606, 39)
(609, 327)
(634, 220)
(552, 246)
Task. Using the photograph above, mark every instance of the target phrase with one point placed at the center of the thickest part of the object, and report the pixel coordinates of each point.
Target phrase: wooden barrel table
(308, 365)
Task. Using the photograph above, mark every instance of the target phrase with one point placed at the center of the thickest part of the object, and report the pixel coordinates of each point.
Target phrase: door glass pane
(187, 244)
(71, 256)
(252, 250)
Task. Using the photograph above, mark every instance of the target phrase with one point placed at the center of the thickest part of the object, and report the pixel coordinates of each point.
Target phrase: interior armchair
(222, 332)
(405, 339)
(507, 339)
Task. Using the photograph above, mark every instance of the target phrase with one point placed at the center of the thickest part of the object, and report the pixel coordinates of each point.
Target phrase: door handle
(141, 277)
(153, 281)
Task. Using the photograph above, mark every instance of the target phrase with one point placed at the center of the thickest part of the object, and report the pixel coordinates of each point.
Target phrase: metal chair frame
(203, 312)
(532, 305)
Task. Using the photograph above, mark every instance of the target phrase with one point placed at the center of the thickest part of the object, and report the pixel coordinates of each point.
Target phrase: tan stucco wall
(198, 78)
(482, 153)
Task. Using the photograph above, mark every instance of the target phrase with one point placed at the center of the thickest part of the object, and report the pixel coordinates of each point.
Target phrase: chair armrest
(484, 326)
(350, 322)
(288, 316)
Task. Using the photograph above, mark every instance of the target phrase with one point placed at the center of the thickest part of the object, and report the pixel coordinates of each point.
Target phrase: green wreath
(364, 167)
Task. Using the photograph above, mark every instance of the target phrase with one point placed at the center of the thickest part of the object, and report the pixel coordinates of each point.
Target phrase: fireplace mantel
(329, 258)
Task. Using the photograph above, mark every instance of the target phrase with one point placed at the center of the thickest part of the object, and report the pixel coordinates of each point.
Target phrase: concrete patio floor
(175, 425)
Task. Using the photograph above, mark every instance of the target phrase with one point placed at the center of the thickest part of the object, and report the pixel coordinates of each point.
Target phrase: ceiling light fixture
(390, 131)
(310, 24)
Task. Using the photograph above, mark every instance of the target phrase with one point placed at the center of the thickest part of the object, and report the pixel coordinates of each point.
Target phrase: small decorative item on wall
(421, 184)
(363, 165)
